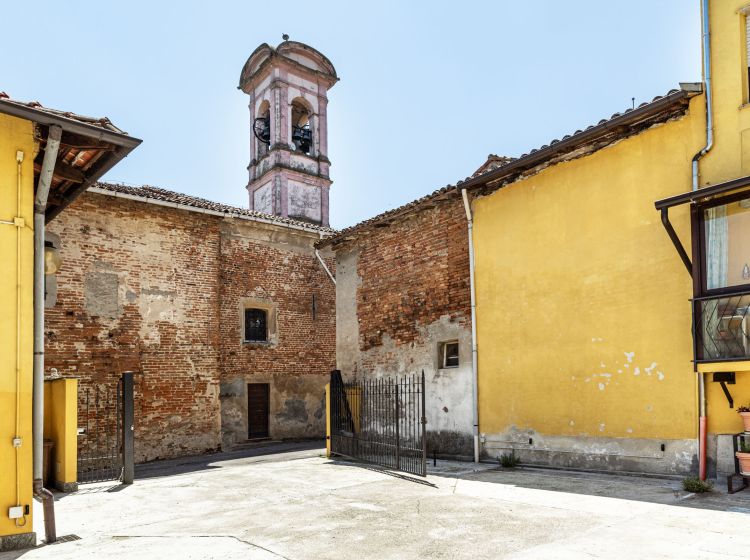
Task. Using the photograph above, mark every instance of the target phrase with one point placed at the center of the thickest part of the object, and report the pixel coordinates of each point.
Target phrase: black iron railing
(722, 327)
(380, 421)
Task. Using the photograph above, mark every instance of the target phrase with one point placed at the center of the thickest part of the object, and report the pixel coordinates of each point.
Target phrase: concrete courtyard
(289, 501)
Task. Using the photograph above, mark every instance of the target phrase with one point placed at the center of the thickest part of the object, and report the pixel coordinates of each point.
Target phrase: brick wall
(141, 289)
(275, 267)
(403, 289)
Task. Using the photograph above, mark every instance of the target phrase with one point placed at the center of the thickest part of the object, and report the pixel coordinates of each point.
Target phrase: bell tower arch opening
(289, 165)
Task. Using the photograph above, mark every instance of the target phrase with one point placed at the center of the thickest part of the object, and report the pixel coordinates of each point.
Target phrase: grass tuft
(509, 460)
(696, 485)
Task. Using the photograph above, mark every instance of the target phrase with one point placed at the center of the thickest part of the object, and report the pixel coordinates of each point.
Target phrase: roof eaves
(105, 131)
(657, 106)
(194, 204)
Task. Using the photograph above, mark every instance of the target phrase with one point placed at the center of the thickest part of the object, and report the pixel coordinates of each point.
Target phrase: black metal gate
(380, 421)
(106, 432)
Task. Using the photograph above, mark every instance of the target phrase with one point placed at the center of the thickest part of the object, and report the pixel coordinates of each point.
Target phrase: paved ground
(290, 502)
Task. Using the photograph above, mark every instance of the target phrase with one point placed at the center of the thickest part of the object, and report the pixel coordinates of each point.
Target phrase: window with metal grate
(256, 325)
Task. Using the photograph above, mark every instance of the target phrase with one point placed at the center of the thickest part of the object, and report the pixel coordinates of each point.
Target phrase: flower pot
(746, 420)
(744, 459)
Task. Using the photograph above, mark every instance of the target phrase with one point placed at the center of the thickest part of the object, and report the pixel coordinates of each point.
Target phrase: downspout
(40, 205)
(474, 377)
(706, 35)
(325, 267)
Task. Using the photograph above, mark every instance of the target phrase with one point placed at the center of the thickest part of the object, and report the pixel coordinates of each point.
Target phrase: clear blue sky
(427, 89)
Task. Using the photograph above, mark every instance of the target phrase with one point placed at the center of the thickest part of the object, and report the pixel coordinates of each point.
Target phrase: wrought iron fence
(381, 421)
(722, 327)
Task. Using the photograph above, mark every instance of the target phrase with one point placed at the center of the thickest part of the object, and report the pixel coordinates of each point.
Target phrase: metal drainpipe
(40, 205)
(325, 267)
(706, 35)
(474, 384)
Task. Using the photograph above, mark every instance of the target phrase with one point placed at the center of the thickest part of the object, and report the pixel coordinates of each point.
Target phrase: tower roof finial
(285, 37)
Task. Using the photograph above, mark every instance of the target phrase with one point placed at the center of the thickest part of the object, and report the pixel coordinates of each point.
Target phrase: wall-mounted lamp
(52, 259)
(746, 272)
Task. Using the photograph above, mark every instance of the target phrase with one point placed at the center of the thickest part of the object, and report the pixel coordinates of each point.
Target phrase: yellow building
(60, 154)
(583, 302)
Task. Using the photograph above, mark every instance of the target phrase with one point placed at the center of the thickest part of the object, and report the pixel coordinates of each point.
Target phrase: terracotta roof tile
(101, 122)
(163, 195)
(496, 163)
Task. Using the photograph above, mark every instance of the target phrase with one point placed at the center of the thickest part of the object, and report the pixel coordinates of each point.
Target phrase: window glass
(449, 355)
(255, 325)
(727, 242)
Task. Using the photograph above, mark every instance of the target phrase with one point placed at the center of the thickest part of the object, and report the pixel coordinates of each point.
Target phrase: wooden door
(258, 408)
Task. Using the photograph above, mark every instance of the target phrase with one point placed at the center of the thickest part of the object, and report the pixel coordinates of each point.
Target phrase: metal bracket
(676, 240)
(723, 378)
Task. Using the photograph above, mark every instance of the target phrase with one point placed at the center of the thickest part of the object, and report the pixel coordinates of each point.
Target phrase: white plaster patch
(602, 426)
(606, 375)
(602, 365)
(650, 368)
(601, 386)
(572, 423)
(637, 371)
(629, 430)
(629, 356)
(660, 375)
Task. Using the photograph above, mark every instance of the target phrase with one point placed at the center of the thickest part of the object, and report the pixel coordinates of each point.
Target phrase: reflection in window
(727, 239)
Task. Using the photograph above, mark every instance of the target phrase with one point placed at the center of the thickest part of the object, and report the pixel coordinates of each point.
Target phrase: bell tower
(289, 163)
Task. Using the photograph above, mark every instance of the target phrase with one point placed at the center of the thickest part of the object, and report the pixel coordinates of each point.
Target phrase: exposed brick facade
(156, 290)
(403, 289)
(414, 272)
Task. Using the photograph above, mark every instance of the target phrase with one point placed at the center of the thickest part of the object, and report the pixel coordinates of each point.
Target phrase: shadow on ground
(657, 490)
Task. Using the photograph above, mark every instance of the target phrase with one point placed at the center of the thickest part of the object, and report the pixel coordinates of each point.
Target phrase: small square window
(256, 325)
(449, 354)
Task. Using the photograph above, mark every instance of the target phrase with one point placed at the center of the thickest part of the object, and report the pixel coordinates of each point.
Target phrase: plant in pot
(743, 456)
(744, 411)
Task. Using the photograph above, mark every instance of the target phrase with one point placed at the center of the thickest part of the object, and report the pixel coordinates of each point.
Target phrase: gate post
(128, 427)
(424, 427)
(328, 420)
(398, 442)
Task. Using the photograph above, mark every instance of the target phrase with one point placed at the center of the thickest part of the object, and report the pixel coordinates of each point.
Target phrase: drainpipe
(40, 205)
(474, 379)
(325, 267)
(706, 35)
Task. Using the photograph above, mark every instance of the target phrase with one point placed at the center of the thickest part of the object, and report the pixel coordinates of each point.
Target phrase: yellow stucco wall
(583, 317)
(61, 426)
(15, 134)
(730, 158)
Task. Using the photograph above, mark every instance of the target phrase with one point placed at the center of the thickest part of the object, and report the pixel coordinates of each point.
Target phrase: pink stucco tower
(289, 163)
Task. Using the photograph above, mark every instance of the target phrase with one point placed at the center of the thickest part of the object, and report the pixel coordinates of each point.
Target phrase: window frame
(271, 310)
(701, 286)
(443, 354)
(265, 325)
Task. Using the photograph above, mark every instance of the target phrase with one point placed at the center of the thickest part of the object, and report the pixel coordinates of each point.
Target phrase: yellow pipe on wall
(18, 222)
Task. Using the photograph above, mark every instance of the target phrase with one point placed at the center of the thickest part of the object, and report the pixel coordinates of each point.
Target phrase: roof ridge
(687, 90)
(176, 197)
